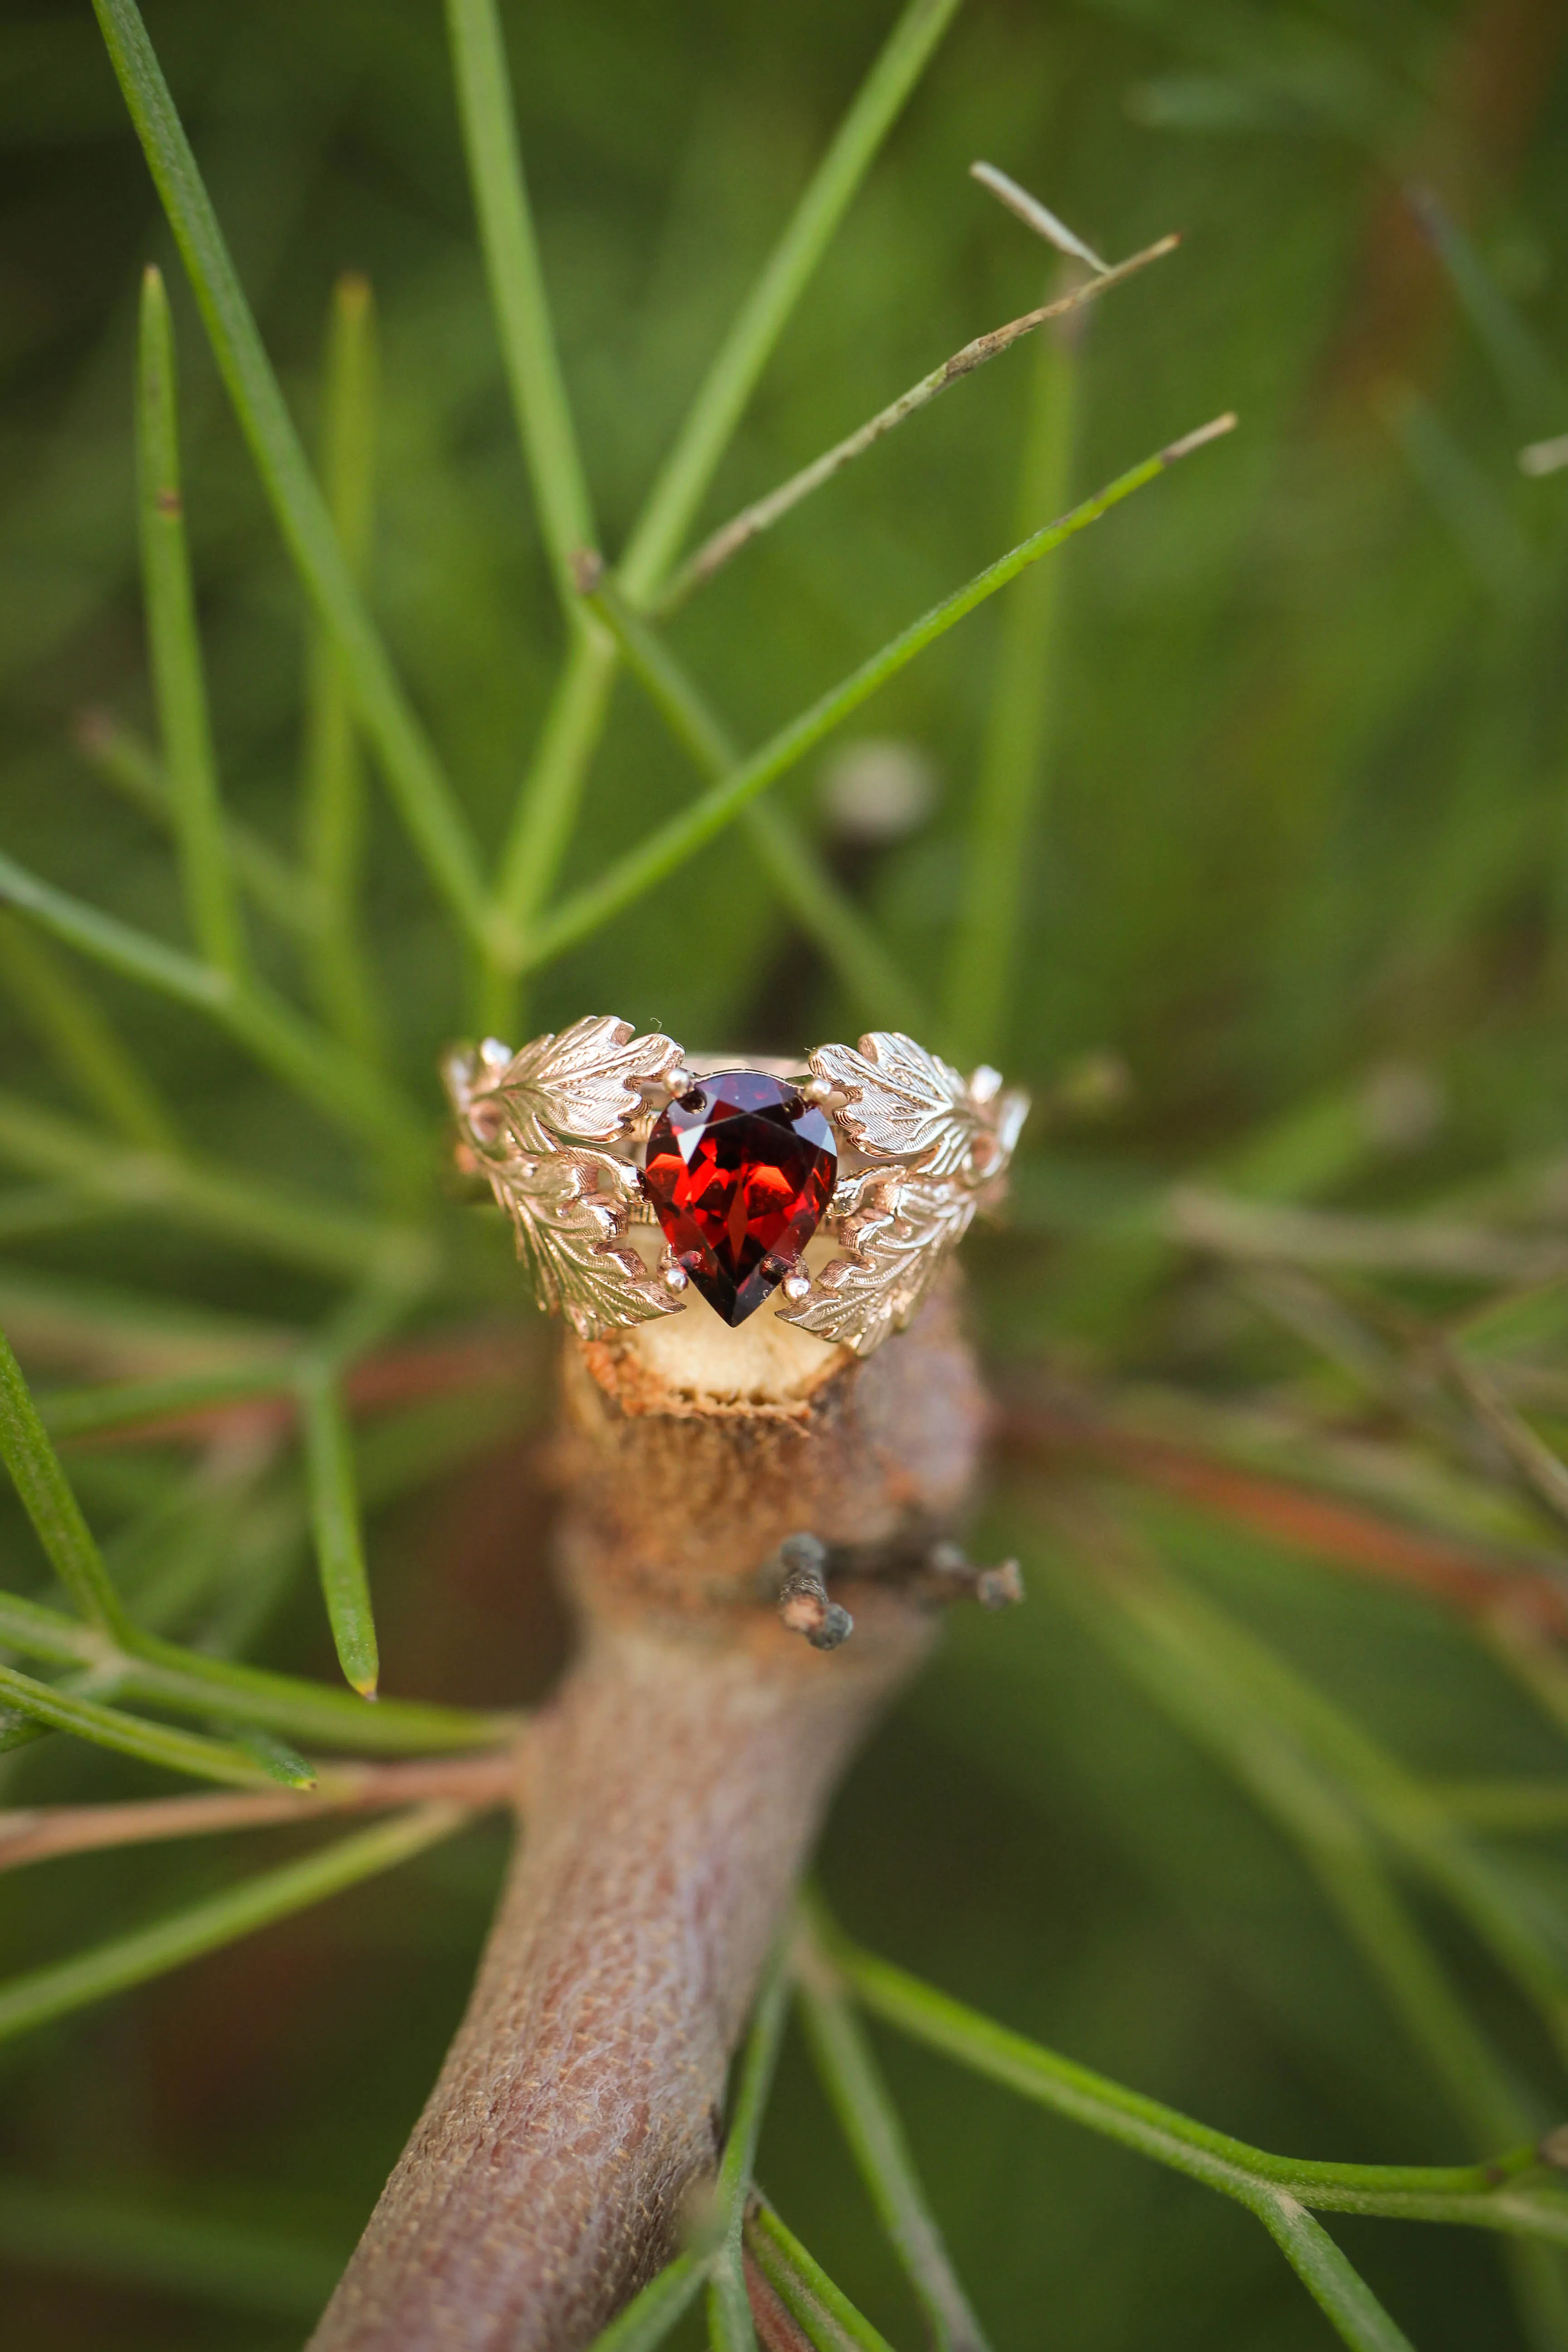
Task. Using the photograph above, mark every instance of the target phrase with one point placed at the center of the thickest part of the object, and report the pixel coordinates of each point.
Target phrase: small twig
(1038, 217)
(45, 1831)
(952, 1571)
(803, 1597)
(742, 527)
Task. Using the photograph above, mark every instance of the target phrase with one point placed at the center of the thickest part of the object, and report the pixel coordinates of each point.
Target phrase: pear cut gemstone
(739, 1171)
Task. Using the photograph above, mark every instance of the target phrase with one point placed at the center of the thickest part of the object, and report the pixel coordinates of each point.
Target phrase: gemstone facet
(739, 1171)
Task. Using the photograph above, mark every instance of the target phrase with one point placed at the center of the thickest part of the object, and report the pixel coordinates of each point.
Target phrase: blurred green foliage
(1299, 863)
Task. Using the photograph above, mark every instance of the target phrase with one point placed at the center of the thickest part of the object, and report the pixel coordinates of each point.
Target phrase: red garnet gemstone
(739, 1171)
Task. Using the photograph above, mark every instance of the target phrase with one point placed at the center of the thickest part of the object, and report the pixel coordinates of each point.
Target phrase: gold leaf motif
(580, 1083)
(904, 1103)
(567, 1235)
(898, 1242)
(570, 1206)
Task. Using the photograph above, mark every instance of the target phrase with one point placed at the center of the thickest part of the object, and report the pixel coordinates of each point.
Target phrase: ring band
(885, 1149)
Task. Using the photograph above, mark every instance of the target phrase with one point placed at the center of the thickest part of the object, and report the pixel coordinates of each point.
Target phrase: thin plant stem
(47, 1499)
(43, 1832)
(332, 800)
(547, 803)
(1334, 2285)
(275, 888)
(179, 683)
(411, 768)
(130, 1734)
(105, 1071)
(335, 1527)
(187, 1934)
(728, 2309)
(666, 849)
(1323, 1823)
(812, 2299)
(727, 541)
(1021, 714)
(824, 912)
(142, 1665)
(1481, 2194)
(1038, 217)
(1399, 1806)
(716, 410)
(870, 2122)
(651, 2314)
(516, 281)
(270, 1217)
(351, 1095)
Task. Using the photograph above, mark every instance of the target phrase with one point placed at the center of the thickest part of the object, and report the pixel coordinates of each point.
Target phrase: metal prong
(671, 1272)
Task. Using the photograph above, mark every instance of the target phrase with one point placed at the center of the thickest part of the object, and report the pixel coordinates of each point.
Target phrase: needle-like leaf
(132, 1960)
(178, 678)
(332, 824)
(412, 770)
(336, 1525)
(653, 860)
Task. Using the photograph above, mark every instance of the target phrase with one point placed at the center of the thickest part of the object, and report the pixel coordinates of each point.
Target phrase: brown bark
(675, 1786)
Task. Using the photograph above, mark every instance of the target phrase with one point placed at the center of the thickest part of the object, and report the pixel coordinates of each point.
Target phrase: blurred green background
(1299, 880)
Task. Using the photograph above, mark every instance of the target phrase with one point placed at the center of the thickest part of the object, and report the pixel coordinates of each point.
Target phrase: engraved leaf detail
(904, 1103)
(896, 1252)
(581, 1083)
(568, 1232)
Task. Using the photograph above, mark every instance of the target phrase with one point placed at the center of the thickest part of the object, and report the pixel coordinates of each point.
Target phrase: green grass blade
(870, 2122)
(132, 1960)
(729, 383)
(516, 281)
(1213, 2157)
(191, 1682)
(1398, 1805)
(649, 2316)
(728, 2310)
(266, 1216)
(730, 2324)
(1218, 1710)
(1016, 748)
(820, 2308)
(657, 857)
(342, 1087)
(725, 544)
(1339, 2290)
(824, 912)
(130, 1734)
(178, 680)
(335, 1526)
(48, 1501)
(105, 1071)
(117, 753)
(332, 826)
(547, 803)
(411, 768)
